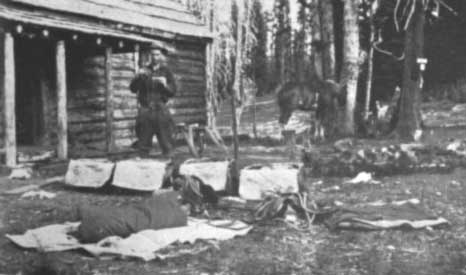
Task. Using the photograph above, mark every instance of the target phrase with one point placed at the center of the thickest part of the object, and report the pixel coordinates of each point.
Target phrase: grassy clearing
(272, 247)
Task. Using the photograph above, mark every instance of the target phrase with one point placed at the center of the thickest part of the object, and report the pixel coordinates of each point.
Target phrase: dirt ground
(272, 247)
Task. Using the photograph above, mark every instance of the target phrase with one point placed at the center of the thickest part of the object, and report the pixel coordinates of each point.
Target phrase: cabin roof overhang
(29, 18)
(136, 20)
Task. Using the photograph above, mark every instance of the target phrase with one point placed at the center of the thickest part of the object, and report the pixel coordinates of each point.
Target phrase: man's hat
(162, 50)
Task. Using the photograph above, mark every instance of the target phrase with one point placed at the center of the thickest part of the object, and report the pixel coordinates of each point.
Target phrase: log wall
(86, 96)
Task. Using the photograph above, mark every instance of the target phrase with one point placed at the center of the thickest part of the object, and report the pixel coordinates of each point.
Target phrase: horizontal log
(182, 99)
(191, 102)
(122, 80)
(125, 113)
(81, 94)
(82, 98)
(123, 66)
(94, 60)
(189, 77)
(189, 63)
(99, 59)
(85, 115)
(121, 104)
(122, 57)
(191, 91)
(116, 65)
(95, 145)
(82, 104)
(87, 82)
(186, 111)
(124, 133)
(199, 118)
(93, 71)
(189, 70)
(87, 136)
(125, 99)
(123, 74)
(123, 142)
(190, 47)
(124, 124)
(95, 126)
(180, 64)
(188, 54)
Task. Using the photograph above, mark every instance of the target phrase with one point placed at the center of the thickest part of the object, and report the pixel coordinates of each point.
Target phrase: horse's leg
(316, 130)
(322, 132)
(282, 129)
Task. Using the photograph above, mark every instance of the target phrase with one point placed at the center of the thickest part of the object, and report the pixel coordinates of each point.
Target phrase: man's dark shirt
(151, 91)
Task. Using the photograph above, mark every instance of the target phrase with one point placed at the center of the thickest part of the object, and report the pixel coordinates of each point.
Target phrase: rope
(273, 206)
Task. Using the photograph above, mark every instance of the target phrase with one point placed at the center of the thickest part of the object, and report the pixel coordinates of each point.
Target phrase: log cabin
(67, 65)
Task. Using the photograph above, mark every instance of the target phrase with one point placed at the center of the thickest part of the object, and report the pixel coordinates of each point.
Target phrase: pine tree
(282, 37)
(351, 52)
(259, 51)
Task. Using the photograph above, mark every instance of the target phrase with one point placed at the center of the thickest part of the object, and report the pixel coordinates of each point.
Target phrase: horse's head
(292, 97)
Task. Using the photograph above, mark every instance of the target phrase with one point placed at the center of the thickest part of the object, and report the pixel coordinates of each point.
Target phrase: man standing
(154, 86)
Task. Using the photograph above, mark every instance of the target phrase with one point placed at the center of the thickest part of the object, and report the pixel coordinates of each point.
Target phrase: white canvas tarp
(89, 173)
(259, 180)
(213, 173)
(139, 174)
(143, 245)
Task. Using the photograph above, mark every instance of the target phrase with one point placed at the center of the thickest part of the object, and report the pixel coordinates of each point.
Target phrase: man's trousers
(155, 120)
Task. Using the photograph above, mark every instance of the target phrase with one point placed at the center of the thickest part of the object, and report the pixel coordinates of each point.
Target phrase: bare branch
(375, 45)
(450, 9)
(411, 12)
(395, 19)
(405, 10)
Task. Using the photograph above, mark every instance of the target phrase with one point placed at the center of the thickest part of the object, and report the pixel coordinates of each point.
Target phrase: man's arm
(170, 87)
(135, 84)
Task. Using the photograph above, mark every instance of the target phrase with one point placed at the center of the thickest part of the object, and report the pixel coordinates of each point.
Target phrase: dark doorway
(34, 71)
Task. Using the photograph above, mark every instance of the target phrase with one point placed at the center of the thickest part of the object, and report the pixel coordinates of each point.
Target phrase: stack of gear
(382, 161)
(192, 189)
(276, 206)
(369, 216)
(383, 216)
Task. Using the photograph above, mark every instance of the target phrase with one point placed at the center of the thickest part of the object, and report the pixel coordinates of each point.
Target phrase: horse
(321, 96)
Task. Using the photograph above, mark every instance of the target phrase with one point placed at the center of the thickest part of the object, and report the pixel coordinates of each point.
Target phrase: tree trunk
(350, 62)
(210, 61)
(238, 52)
(246, 23)
(327, 32)
(370, 61)
(409, 110)
(236, 91)
(317, 54)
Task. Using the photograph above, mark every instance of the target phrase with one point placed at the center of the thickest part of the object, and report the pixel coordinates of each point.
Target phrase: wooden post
(188, 133)
(9, 99)
(109, 100)
(62, 149)
(136, 58)
(234, 185)
(254, 116)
